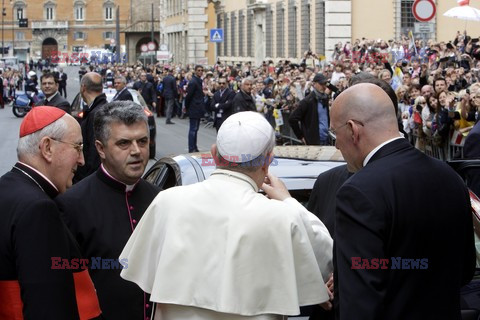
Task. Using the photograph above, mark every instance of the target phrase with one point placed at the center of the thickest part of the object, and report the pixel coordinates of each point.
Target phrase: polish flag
(463, 2)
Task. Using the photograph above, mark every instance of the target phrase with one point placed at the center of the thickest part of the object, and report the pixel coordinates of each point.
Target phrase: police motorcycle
(24, 101)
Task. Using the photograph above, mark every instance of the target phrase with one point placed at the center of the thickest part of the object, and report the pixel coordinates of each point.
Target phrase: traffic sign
(424, 10)
(216, 35)
(144, 48)
(424, 27)
(151, 46)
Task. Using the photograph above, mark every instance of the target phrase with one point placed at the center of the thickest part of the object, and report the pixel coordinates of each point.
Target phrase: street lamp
(13, 29)
(3, 20)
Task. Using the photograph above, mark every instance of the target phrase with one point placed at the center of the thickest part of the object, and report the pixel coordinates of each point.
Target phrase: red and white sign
(151, 46)
(144, 48)
(424, 10)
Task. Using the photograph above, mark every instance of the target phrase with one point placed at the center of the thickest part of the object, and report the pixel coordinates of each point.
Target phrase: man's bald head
(362, 117)
(92, 82)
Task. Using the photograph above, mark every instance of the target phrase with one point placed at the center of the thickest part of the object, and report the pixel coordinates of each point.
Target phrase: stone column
(260, 21)
(197, 33)
(338, 24)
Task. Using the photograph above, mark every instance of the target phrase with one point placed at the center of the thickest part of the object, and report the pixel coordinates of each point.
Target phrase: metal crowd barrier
(449, 151)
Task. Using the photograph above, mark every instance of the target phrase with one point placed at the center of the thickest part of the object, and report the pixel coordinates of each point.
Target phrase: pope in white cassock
(218, 249)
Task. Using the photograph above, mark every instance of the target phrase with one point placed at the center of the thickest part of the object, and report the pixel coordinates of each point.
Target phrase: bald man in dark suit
(393, 254)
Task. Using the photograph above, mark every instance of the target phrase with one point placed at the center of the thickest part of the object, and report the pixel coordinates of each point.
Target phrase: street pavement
(170, 139)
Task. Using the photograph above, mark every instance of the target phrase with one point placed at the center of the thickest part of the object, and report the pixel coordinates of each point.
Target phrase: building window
(407, 18)
(19, 35)
(79, 12)
(19, 13)
(292, 28)
(49, 13)
(269, 31)
(79, 35)
(320, 27)
(109, 12)
(280, 24)
(107, 35)
(305, 25)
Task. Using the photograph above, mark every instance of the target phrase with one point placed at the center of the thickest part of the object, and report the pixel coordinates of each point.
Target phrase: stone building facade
(259, 30)
(65, 26)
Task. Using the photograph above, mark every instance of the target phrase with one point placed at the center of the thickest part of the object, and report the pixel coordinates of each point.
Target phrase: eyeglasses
(333, 132)
(76, 146)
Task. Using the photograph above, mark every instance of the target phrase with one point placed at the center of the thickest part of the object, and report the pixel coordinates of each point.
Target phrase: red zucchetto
(38, 118)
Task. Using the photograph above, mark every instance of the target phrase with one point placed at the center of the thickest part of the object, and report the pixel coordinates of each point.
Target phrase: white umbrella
(464, 13)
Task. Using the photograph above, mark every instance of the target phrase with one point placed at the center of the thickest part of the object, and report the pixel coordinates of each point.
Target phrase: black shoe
(169, 122)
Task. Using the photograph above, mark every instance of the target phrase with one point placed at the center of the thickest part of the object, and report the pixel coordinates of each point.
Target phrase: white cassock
(220, 250)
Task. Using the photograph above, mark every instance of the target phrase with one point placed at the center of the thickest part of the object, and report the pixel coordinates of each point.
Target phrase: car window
(162, 176)
(138, 97)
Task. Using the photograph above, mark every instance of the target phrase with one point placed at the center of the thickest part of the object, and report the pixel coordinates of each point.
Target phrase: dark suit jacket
(102, 227)
(62, 80)
(57, 101)
(304, 119)
(147, 90)
(92, 159)
(170, 87)
(471, 150)
(322, 202)
(124, 95)
(194, 100)
(224, 106)
(31, 234)
(243, 102)
(408, 205)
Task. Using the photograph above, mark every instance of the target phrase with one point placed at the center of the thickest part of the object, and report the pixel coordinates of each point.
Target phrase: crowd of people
(436, 84)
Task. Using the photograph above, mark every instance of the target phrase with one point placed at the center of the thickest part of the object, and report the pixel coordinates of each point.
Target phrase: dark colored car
(78, 106)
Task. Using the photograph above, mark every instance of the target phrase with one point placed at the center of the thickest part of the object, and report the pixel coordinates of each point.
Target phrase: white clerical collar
(236, 175)
(51, 97)
(128, 187)
(39, 173)
(370, 155)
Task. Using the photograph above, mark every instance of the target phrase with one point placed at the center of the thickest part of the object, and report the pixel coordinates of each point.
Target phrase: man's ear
(267, 161)
(355, 132)
(100, 149)
(213, 151)
(46, 149)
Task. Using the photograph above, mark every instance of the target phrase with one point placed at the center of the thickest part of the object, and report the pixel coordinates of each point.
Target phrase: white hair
(247, 79)
(29, 144)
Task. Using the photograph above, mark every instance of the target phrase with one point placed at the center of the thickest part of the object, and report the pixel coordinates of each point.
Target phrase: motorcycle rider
(32, 82)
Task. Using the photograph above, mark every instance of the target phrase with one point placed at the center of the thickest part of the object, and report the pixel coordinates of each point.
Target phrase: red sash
(87, 301)
(11, 304)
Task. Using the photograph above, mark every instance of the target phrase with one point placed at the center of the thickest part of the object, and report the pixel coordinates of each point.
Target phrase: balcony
(40, 25)
(256, 5)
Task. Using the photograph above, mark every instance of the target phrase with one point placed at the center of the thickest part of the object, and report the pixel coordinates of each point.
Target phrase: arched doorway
(138, 51)
(49, 48)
